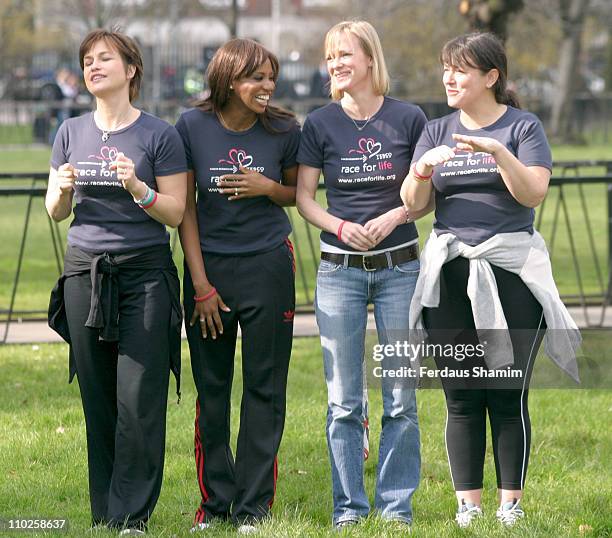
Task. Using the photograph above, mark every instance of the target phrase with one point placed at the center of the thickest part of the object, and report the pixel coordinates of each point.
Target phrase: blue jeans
(342, 296)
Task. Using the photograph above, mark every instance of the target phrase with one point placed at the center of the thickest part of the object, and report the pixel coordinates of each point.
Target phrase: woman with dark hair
(363, 142)
(117, 302)
(239, 271)
(485, 269)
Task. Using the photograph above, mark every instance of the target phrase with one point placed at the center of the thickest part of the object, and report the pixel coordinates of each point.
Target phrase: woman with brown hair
(117, 302)
(486, 278)
(239, 271)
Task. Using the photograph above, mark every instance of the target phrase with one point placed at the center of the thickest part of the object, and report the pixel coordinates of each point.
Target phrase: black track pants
(260, 291)
(124, 390)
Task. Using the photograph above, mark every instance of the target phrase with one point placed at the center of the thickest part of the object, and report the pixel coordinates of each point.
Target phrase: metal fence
(575, 221)
(28, 122)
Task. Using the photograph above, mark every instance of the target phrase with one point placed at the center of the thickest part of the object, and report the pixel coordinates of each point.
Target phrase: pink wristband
(210, 294)
(339, 234)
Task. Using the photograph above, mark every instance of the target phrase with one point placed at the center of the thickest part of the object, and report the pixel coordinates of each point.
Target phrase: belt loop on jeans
(346, 261)
(389, 261)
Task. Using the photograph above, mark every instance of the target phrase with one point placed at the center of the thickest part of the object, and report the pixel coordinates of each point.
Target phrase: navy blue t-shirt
(247, 225)
(363, 169)
(106, 218)
(472, 200)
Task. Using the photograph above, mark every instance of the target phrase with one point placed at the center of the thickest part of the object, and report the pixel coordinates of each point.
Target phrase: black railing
(596, 290)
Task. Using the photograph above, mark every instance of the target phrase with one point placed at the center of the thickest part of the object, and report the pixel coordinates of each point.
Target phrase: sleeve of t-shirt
(417, 122)
(60, 147)
(292, 144)
(311, 150)
(533, 148)
(170, 153)
(424, 144)
(181, 127)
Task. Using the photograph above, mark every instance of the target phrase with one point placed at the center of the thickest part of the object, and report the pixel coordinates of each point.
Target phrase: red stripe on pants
(292, 250)
(199, 457)
(275, 479)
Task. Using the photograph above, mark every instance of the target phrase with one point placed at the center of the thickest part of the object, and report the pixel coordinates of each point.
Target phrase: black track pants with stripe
(260, 291)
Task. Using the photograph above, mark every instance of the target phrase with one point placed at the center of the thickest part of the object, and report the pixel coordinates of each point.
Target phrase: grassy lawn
(44, 472)
(40, 270)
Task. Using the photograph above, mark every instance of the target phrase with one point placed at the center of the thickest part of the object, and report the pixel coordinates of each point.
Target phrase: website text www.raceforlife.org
(483, 170)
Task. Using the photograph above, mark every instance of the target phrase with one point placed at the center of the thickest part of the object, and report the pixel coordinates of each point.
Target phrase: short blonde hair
(370, 44)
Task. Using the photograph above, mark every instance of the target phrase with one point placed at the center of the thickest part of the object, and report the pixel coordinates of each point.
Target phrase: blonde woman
(363, 142)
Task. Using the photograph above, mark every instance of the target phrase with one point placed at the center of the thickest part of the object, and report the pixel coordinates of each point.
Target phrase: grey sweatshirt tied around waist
(521, 253)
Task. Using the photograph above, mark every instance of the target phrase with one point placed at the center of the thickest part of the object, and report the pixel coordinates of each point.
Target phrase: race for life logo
(97, 171)
(236, 158)
(367, 157)
(368, 147)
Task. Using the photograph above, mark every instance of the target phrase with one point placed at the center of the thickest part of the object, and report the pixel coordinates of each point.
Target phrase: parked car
(24, 85)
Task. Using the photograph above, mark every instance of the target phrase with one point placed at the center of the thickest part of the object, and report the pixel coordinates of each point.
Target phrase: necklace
(223, 122)
(106, 133)
(367, 120)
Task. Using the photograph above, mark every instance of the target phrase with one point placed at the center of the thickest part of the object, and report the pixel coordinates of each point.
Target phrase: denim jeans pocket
(411, 268)
(326, 267)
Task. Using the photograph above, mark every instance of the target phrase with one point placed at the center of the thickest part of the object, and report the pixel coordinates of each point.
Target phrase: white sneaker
(466, 513)
(509, 513)
(247, 529)
(198, 527)
(131, 531)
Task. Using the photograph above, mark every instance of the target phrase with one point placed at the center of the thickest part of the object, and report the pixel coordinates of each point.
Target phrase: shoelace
(510, 515)
(464, 517)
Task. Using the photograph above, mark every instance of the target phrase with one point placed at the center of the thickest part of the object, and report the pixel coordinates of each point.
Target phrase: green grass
(40, 271)
(43, 469)
(16, 134)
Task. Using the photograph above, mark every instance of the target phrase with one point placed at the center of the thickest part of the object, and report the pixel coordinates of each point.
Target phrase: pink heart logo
(240, 157)
(108, 154)
(232, 155)
(369, 146)
(363, 144)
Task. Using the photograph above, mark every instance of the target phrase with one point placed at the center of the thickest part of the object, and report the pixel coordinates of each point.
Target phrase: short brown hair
(124, 45)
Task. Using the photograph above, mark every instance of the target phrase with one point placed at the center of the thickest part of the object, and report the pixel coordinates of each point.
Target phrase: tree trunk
(233, 26)
(490, 15)
(572, 22)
